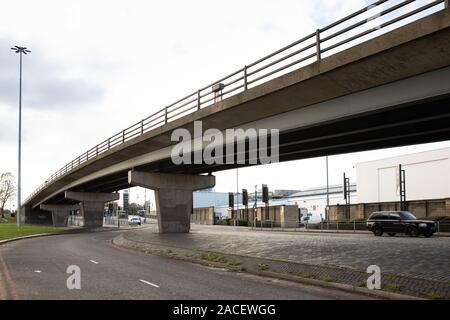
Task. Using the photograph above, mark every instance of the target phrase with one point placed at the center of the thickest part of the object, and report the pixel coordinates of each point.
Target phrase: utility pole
(20, 51)
(265, 198)
(245, 202)
(256, 197)
(231, 206)
(347, 196)
(328, 192)
(237, 192)
(402, 187)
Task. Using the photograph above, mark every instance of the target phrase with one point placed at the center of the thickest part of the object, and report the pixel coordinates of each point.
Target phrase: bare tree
(7, 190)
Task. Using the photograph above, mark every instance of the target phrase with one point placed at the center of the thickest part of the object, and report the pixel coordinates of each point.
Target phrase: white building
(210, 198)
(205, 199)
(427, 177)
(314, 200)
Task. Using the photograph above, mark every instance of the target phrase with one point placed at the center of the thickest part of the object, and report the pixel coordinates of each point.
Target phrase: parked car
(135, 221)
(393, 222)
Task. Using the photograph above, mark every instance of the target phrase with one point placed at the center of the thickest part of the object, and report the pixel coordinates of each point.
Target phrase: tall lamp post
(20, 51)
(328, 193)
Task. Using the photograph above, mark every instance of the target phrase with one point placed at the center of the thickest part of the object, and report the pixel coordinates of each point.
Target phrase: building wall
(203, 216)
(427, 177)
(285, 216)
(316, 205)
(420, 208)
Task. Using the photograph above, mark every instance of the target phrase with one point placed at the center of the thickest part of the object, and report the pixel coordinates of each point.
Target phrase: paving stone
(419, 265)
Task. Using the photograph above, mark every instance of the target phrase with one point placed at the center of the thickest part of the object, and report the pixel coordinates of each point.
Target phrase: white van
(134, 220)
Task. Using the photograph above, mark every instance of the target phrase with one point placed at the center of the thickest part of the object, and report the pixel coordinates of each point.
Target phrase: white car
(135, 221)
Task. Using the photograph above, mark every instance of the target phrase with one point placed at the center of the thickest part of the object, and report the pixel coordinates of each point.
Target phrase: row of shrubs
(230, 222)
(7, 219)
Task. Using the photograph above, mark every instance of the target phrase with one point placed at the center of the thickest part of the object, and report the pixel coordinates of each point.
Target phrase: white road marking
(37, 271)
(149, 283)
(93, 261)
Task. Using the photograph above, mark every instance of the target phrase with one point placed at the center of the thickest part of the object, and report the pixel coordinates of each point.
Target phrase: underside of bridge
(420, 122)
(390, 91)
(414, 123)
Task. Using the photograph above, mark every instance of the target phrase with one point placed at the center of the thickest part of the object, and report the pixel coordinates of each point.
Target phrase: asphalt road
(36, 269)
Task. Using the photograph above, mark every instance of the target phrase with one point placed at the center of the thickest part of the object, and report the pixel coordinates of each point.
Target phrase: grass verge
(10, 230)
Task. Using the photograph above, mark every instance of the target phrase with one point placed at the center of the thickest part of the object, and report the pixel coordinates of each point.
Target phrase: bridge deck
(410, 50)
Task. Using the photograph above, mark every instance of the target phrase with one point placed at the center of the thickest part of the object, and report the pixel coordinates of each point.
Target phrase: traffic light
(231, 200)
(244, 197)
(345, 187)
(265, 191)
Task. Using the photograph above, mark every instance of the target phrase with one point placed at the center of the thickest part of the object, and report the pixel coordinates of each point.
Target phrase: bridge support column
(31, 215)
(60, 213)
(92, 205)
(173, 193)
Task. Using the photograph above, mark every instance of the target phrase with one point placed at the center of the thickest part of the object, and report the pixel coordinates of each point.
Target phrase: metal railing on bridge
(369, 22)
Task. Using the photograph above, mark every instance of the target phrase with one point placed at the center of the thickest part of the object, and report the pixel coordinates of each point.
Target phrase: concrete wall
(75, 221)
(427, 177)
(420, 208)
(36, 216)
(203, 216)
(285, 216)
(289, 216)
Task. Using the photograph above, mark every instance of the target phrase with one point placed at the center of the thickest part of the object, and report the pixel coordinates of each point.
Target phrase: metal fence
(443, 227)
(380, 17)
(78, 221)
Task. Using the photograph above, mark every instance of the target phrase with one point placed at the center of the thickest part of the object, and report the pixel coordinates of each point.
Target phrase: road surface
(36, 269)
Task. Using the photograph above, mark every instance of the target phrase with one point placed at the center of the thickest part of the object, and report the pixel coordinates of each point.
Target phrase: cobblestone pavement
(411, 257)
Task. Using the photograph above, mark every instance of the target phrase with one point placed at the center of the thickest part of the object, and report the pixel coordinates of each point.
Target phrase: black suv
(393, 222)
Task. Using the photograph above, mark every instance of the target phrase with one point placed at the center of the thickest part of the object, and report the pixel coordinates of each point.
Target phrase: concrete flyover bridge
(377, 78)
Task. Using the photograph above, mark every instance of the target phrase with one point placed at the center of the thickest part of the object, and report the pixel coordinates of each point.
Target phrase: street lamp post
(20, 51)
(328, 193)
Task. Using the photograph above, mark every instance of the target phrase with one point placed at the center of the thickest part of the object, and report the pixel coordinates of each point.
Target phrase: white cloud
(44, 84)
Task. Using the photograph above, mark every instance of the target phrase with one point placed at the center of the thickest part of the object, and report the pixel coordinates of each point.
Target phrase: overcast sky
(97, 67)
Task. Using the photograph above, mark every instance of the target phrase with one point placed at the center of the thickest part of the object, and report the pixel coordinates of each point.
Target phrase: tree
(148, 205)
(7, 190)
(133, 208)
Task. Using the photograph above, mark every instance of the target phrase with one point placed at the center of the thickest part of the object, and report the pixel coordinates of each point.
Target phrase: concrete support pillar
(31, 215)
(173, 193)
(60, 213)
(92, 205)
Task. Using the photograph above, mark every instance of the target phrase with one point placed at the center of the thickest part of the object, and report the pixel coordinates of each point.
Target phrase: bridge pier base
(60, 213)
(32, 215)
(173, 194)
(92, 205)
